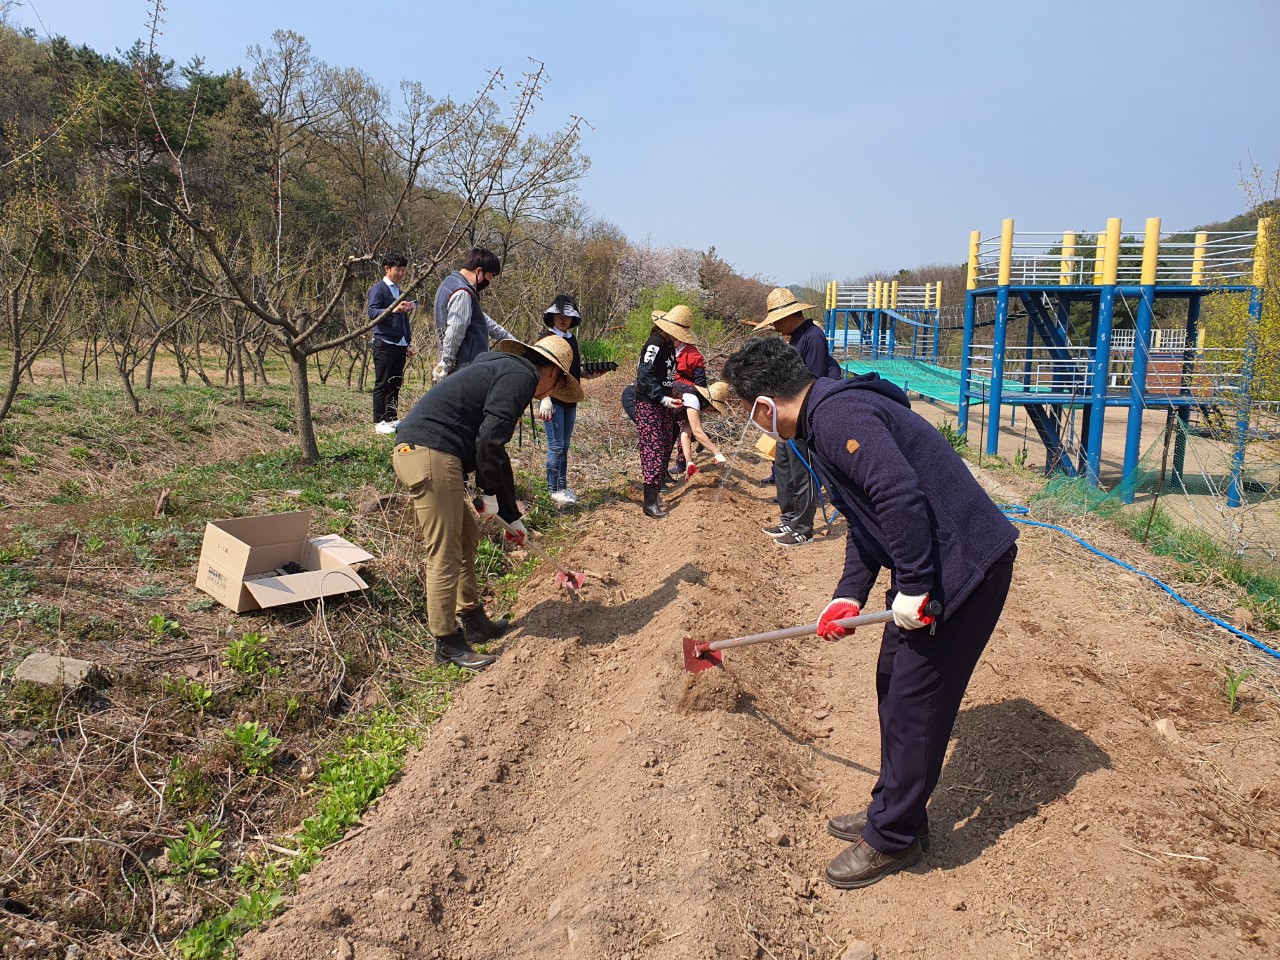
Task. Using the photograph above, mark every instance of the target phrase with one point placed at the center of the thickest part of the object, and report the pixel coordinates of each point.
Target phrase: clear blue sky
(834, 137)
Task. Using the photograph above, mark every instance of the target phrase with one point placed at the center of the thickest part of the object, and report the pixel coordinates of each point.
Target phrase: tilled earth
(585, 797)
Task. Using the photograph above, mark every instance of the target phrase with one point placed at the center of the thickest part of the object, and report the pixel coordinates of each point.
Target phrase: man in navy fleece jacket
(913, 508)
(797, 491)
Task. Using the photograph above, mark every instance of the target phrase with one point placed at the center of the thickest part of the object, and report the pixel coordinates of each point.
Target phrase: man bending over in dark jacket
(913, 508)
(462, 425)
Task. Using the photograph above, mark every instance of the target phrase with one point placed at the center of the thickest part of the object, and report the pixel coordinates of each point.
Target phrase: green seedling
(256, 745)
(193, 693)
(247, 654)
(1231, 686)
(161, 627)
(196, 853)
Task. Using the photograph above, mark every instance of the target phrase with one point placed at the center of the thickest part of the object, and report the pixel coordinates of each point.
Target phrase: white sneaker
(386, 426)
(558, 496)
(569, 496)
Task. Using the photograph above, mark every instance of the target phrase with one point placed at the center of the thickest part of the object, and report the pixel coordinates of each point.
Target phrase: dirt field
(585, 797)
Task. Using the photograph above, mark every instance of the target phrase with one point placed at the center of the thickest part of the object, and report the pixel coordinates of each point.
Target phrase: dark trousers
(797, 493)
(388, 374)
(920, 681)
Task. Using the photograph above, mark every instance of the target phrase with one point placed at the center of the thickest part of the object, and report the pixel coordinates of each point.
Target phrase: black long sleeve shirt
(472, 415)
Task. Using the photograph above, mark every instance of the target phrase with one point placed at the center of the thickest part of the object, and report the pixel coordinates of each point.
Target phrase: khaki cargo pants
(449, 529)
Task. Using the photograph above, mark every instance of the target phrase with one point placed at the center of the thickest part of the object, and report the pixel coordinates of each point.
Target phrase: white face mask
(773, 409)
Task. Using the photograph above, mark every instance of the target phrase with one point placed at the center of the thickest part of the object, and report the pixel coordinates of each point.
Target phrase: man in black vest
(463, 327)
(391, 341)
(914, 508)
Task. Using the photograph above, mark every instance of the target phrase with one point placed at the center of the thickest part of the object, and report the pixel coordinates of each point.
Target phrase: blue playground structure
(1089, 341)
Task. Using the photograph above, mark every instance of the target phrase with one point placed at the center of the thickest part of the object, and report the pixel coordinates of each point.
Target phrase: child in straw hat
(559, 417)
(690, 385)
(461, 426)
(654, 405)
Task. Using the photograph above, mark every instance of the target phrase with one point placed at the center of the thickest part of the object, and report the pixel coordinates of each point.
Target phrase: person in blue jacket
(914, 509)
(392, 341)
(797, 491)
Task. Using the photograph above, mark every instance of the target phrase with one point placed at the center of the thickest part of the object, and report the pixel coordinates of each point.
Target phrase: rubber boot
(455, 649)
(478, 628)
(652, 508)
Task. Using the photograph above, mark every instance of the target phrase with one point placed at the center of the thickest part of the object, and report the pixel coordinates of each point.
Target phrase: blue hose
(830, 518)
(1017, 514)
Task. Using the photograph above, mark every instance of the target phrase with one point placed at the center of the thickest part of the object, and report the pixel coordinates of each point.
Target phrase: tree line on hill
(224, 220)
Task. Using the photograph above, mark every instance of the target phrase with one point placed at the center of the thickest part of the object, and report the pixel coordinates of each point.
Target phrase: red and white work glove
(908, 611)
(546, 409)
(671, 403)
(486, 507)
(841, 608)
(721, 458)
(516, 533)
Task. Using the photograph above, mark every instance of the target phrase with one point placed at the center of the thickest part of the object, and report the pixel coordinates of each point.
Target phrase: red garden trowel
(700, 655)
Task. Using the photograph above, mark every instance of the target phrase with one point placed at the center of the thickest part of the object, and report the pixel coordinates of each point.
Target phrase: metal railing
(1071, 369)
(1186, 258)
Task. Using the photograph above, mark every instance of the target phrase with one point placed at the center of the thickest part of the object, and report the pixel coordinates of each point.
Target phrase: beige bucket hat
(781, 303)
(557, 350)
(678, 321)
(717, 395)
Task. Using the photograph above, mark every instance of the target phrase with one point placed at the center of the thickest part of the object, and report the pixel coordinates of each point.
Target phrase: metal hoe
(701, 655)
(571, 580)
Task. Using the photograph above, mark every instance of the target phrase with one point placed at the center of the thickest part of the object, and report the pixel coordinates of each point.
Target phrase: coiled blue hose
(1018, 514)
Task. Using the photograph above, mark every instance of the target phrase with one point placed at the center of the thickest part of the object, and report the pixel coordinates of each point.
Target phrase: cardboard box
(240, 560)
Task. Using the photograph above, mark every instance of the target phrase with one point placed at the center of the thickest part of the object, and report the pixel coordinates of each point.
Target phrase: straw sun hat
(678, 321)
(717, 395)
(558, 352)
(781, 304)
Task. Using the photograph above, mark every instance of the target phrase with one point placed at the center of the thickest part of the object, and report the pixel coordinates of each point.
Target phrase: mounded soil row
(586, 797)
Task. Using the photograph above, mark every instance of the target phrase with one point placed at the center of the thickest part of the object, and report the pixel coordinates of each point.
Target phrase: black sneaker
(781, 530)
(793, 538)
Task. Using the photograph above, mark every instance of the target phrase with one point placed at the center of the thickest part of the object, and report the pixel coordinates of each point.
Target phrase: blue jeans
(559, 429)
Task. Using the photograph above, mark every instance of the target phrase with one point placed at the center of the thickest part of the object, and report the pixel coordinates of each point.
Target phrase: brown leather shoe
(848, 826)
(862, 865)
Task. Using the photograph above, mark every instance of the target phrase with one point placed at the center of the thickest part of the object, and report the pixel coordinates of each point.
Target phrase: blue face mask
(773, 411)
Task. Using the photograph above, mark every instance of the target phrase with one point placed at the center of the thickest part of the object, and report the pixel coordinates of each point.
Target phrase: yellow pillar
(975, 238)
(928, 289)
(1151, 251)
(1006, 251)
(1261, 252)
(1067, 274)
(937, 294)
(1197, 259)
(893, 295)
(1099, 256)
(871, 294)
(1111, 261)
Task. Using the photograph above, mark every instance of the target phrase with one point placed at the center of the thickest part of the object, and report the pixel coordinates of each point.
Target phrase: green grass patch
(349, 779)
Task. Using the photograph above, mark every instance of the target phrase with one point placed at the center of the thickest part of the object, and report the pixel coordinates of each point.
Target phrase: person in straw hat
(654, 405)
(797, 489)
(689, 387)
(462, 426)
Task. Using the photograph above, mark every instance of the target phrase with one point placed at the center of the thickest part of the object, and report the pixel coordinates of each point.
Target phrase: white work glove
(546, 409)
(721, 458)
(438, 372)
(516, 533)
(486, 507)
(908, 609)
(671, 403)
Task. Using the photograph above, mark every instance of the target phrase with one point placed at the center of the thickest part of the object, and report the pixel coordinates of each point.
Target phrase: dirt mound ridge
(585, 797)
